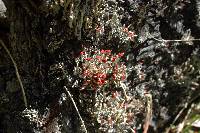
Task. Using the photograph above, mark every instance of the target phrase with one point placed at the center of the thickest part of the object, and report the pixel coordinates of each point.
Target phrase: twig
(187, 105)
(163, 40)
(16, 71)
(124, 91)
(84, 127)
(149, 112)
(182, 124)
(179, 114)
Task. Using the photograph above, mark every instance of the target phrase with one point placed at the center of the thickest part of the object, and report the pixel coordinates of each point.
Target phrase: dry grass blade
(84, 127)
(16, 71)
(149, 112)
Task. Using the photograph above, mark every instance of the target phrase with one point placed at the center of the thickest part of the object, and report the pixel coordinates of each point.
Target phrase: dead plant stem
(148, 113)
(163, 40)
(16, 71)
(84, 127)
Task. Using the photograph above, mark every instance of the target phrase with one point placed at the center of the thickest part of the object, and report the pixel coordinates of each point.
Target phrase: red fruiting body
(99, 29)
(115, 94)
(131, 35)
(113, 59)
(88, 59)
(97, 66)
(102, 51)
(107, 51)
(125, 30)
(98, 57)
(82, 53)
(104, 60)
(120, 54)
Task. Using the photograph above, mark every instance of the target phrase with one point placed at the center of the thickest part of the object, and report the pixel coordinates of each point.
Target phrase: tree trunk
(31, 44)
